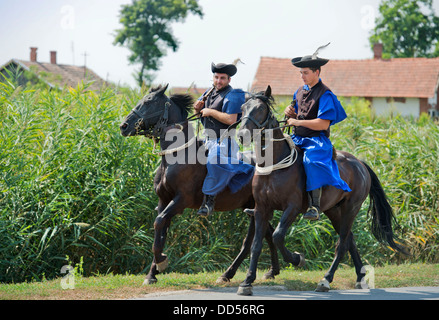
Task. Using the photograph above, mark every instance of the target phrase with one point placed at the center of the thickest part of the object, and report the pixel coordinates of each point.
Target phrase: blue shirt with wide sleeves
(321, 170)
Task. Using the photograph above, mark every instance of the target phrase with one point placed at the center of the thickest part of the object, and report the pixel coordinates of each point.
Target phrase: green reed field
(74, 191)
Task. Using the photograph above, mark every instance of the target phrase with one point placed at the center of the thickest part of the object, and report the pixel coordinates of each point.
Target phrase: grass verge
(130, 286)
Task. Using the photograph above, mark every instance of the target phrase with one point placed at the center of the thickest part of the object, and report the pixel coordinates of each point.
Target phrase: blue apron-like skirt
(224, 168)
(321, 170)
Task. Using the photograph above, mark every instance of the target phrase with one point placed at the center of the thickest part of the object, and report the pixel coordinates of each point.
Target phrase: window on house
(395, 99)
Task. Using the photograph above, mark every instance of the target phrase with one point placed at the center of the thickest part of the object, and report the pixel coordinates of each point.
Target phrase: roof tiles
(398, 77)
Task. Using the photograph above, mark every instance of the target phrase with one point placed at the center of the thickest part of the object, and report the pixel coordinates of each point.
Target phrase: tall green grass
(404, 152)
(72, 186)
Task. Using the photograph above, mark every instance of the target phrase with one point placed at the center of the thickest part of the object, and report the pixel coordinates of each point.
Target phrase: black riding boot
(313, 212)
(207, 207)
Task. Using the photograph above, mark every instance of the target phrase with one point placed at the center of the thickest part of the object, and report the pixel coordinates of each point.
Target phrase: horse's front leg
(288, 217)
(161, 226)
(275, 267)
(261, 224)
(245, 249)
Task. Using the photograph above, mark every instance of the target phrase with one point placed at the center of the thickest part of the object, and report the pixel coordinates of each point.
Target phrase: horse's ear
(163, 89)
(268, 92)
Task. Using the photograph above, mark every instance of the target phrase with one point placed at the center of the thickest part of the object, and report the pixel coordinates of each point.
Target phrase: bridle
(158, 129)
(268, 123)
(262, 126)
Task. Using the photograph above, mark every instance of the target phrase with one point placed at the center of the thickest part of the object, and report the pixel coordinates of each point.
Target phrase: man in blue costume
(313, 110)
(221, 109)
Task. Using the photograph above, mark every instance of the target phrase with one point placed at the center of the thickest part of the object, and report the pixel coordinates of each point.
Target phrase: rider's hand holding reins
(290, 113)
(198, 105)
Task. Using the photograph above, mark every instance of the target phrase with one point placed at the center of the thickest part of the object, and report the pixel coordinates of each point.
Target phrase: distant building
(408, 86)
(53, 74)
(193, 90)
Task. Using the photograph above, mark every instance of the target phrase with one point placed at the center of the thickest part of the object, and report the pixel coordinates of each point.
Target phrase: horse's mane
(183, 101)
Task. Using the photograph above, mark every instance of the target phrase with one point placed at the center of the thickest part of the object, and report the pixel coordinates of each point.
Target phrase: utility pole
(73, 53)
(85, 62)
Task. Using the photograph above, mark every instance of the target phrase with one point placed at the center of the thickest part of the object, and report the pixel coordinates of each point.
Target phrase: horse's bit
(159, 127)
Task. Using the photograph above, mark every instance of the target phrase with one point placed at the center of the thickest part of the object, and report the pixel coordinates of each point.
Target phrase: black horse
(280, 185)
(178, 184)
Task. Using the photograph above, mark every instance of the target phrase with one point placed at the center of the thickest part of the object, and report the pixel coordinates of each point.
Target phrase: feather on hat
(311, 61)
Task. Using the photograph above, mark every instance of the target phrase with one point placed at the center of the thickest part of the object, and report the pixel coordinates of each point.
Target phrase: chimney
(33, 54)
(53, 57)
(378, 51)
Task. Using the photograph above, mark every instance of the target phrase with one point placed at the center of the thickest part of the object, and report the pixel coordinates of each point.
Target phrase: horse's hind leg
(342, 219)
(161, 226)
(359, 270)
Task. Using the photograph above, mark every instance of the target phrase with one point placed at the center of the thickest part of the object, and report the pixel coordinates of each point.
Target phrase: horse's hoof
(222, 280)
(268, 276)
(245, 291)
(147, 281)
(323, 286)
(302, 260)
(161, 266)
(361, 285)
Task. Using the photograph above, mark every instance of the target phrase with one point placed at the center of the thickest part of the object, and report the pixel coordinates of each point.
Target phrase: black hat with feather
(311, 61)
(229, 69)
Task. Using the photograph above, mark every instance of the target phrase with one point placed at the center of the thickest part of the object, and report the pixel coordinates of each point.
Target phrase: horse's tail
(382, 214)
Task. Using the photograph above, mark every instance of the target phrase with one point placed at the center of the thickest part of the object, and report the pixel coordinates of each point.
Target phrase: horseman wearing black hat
(313, 110)
(220, 107)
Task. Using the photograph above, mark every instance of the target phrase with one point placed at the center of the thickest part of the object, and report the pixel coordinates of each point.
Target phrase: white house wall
(411, 107)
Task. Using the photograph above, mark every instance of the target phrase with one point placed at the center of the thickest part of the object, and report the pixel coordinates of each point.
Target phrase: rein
(285, 163)
(171, 151)
(178, 125)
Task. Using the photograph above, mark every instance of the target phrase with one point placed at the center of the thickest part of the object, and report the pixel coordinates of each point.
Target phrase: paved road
(280, 293)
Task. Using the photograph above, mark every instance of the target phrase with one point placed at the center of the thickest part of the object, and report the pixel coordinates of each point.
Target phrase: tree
(407, 28)
(147, 31)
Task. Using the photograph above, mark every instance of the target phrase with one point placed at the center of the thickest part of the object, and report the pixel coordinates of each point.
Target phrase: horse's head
(147, 114)
(256, 115)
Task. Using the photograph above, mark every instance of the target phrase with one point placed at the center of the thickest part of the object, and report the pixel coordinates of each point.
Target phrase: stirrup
(204, 211)
(312, 214)
(207, 207)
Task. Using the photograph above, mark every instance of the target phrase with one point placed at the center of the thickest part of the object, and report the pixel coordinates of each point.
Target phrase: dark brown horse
(282, 187)
(179, 179)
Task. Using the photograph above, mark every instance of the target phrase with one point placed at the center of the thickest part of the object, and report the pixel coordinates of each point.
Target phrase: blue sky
(247, 29)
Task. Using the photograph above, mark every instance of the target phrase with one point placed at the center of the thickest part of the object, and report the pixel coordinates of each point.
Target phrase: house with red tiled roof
(407, 86)
(51, 73)
(192, 90)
